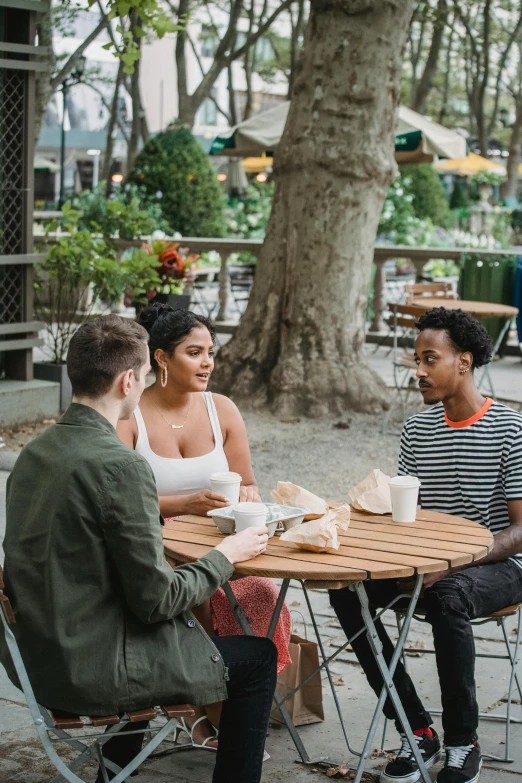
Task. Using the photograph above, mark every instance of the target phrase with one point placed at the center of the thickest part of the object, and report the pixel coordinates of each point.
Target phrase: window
(209, 41)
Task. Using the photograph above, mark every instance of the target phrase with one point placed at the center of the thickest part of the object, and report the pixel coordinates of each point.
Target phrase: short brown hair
(100, 350)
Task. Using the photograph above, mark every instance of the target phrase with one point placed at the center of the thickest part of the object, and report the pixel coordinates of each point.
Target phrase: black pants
(251, 663)
(450, 605)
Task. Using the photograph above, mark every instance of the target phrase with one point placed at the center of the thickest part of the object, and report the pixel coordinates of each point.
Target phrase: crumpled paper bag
(372, 494)
(320, 535)
(288, 494)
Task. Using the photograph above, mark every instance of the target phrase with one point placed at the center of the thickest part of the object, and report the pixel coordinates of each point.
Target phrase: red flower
(172, 264)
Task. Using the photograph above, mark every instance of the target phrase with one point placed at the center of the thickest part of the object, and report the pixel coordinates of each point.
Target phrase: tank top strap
(142, 430)
(214, 419)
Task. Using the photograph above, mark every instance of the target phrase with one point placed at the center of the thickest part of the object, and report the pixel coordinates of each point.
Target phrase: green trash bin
(488, 279)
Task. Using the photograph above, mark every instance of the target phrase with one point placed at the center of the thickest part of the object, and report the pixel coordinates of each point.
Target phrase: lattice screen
(12, 191)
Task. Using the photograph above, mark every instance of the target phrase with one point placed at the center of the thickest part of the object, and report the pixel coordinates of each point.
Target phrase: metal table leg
(245, 626)
(486, 375)
(387, 675)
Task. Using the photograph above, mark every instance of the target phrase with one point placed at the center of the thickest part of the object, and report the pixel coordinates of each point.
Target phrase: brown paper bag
(372, 494)
(320, 535)
(288, 494)
(305, 706)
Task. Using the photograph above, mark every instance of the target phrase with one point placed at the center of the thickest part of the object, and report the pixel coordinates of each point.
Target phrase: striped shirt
(468, 468)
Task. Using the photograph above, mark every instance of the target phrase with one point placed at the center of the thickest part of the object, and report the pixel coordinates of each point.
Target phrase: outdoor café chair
(408, 293)
(54, 728)
(444, 290)
(403, 360)
(512, 651)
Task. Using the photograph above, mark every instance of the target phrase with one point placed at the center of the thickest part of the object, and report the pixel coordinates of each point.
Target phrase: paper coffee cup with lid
(249, 515)
(404, 494)
(227, 484)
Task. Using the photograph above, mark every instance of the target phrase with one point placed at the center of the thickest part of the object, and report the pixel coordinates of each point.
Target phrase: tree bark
(510, 186)
(430, 68)
(300, 344)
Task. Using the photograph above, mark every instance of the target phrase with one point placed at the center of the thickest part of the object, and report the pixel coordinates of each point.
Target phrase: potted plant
(79, 278)
(174, 269)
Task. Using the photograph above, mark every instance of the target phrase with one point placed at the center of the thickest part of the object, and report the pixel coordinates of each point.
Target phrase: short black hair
(465, 332)
(100, 350)
(167, 327)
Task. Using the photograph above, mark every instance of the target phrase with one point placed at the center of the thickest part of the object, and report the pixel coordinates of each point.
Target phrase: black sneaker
(403, 768)
(462, 764)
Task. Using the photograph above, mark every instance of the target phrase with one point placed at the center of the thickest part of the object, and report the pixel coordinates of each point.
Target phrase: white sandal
(190, 733)
(182, 726)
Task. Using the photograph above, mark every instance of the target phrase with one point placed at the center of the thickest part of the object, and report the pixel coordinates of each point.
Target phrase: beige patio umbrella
(418, 138)
(471, 164)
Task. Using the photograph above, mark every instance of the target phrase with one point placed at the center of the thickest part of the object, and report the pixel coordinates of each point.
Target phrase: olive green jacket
(103, 622)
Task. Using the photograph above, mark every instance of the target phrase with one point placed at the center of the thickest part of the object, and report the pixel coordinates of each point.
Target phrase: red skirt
(257, 597)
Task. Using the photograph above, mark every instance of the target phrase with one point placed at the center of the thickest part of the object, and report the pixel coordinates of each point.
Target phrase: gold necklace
(174, 426)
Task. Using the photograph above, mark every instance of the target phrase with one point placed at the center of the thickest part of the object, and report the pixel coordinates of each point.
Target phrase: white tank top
(184, 475)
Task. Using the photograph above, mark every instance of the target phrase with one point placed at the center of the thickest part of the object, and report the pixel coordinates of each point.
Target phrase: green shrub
(429, 200)
(173, 169)
(129, 213)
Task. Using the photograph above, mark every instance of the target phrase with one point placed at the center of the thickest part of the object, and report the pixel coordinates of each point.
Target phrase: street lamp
(73, 78)
(96, 166)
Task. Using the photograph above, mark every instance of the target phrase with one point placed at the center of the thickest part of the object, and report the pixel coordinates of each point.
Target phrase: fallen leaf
(295, 603)
(342, 425)
(339, 681)
(414, 649)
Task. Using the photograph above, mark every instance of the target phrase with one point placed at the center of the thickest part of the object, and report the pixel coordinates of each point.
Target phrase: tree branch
(515, 34)
(108, 107)
(64, 72)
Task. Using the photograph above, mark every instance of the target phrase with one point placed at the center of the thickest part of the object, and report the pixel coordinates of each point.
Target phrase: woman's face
(192, 362)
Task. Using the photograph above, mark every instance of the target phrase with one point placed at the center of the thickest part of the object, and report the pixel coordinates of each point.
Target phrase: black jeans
(450, 605)
(252, 670)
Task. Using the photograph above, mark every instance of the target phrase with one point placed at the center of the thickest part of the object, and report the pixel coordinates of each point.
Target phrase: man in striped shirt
(467, 452)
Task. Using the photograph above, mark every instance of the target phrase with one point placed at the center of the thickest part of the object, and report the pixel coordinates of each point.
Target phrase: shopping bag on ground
(305, 706)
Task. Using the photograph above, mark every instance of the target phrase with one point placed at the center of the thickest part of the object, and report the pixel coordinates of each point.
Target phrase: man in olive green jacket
(103, 622)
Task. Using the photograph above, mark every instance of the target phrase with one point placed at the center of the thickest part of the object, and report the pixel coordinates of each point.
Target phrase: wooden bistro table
(478, 310)
(373, 547)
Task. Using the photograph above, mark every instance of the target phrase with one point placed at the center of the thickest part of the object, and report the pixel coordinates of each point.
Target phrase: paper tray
(278, 516)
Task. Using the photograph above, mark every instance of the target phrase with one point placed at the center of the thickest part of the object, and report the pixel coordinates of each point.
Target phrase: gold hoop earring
(164, 376)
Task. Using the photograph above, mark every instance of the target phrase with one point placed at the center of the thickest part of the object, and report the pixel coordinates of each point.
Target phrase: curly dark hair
(167, 327)
(465, 332)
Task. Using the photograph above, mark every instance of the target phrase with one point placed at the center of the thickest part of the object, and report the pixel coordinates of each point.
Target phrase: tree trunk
(44, 90)
(430, 69)
(111, 126)
(447, 73)
(297, 31)
(300, 344)
(232, 107)
(510, 186)
(136, 128)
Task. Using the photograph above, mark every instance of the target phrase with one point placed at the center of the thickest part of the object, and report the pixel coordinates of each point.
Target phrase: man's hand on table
(245, 545)
(407, 586)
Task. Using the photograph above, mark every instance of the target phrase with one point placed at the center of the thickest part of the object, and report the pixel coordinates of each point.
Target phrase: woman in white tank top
(186, 433)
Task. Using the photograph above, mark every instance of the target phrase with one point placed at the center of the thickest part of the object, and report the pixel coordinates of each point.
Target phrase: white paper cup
(249, 515)
(227, 484)
(404, 493)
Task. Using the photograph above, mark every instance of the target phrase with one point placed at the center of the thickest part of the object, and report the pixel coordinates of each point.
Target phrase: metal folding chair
(512, 652)
(52, 729)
